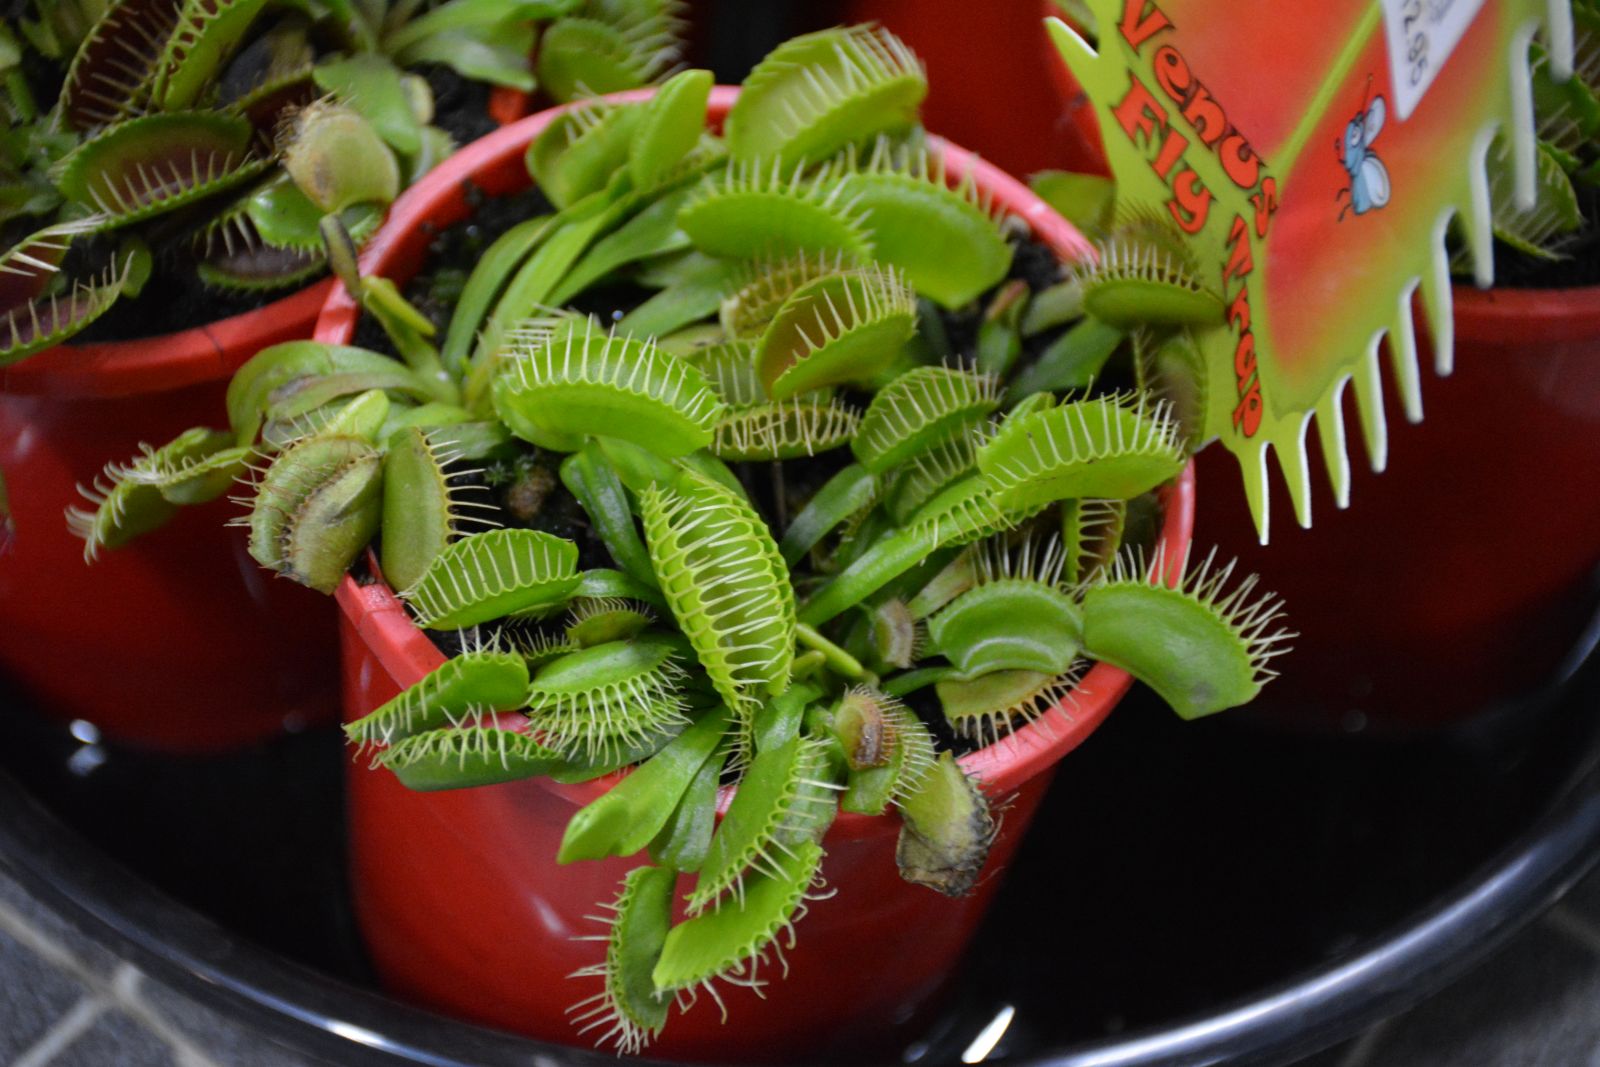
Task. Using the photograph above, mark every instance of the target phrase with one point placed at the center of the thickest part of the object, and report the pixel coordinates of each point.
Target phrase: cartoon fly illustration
(1369, 178)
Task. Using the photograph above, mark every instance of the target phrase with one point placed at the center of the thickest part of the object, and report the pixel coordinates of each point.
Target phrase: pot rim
(1525, 316)
(405, 651)
(203, 353)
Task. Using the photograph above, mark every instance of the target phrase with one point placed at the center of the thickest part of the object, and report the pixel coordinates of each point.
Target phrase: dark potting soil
(460, 105)
(1578, 266)
(450, 257)
(176, 299)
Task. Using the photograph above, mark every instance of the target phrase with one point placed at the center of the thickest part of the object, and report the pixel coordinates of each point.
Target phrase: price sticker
(1421, 34)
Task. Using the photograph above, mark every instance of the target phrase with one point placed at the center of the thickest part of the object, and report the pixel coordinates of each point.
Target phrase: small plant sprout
(750, 465)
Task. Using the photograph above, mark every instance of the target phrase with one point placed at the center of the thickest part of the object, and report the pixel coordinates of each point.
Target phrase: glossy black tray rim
(325, 1018)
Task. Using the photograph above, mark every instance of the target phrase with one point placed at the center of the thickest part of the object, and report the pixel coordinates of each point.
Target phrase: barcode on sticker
(1421, 35)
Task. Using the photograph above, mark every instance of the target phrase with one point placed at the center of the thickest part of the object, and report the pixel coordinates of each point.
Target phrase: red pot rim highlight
(166, 361)
(494, 163)
(1526, 316)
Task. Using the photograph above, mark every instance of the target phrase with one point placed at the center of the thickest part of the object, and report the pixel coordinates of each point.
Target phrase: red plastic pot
(177, 641)
(1087, 153)
(457, 893)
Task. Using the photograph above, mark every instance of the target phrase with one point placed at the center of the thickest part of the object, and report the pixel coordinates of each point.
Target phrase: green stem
(840, 661)
(807, 664)
(408, 329)
(600, 493)
(882, 564)
(844, 494)
(911, 681)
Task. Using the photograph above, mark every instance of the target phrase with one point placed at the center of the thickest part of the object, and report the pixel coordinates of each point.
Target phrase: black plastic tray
(1191, 893)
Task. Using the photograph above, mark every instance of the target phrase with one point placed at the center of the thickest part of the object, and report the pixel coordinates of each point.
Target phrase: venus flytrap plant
(993, 705)
(765, 285)
(606, 698)
(727, 586)
(946, 830)
(629, 1006)
(36, 311)
(921, 410)
(1014, 617)
(887, 749)
(817, 94)
(316, 506)
(764, 543)
(151, 150)
(467, 687)
(787, 429)
(228, 134)
(452, 757)
(597, 620)
(930, 472)
(588, 381)
(730, 370)
(1091, 531)
(1112, 447)
(493, 575)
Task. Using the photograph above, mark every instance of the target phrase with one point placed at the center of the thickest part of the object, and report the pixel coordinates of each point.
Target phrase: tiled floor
(66, 1001)
(1535, 1004)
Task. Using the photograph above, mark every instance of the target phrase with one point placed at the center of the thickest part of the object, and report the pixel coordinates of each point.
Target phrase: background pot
(457, 893)
(177, 641)
(1464, 576)
(989, 79)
